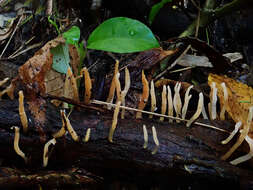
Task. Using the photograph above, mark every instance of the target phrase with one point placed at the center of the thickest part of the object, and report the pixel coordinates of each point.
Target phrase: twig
(157, 114)
(173, 64)
(14, 31)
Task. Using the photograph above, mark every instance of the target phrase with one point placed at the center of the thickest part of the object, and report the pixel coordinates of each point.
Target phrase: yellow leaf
(239, 97)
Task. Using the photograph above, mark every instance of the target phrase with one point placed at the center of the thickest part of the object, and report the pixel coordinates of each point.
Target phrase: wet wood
(191, 155)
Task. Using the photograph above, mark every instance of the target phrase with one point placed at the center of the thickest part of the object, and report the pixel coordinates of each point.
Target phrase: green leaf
(155, 10)
(72, 36)
(61, 58)
(122, 35)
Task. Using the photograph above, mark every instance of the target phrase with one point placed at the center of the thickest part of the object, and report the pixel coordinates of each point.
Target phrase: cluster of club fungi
(169, 104)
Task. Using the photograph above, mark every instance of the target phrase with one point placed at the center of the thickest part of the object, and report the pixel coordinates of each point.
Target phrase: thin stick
(157, 114)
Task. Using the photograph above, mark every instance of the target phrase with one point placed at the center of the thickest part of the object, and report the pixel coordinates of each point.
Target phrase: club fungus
(164, 103)
(118, 87)
(114, 121)
(144, 97)
(16, 144)
(22, 113)
(225, 94)
(70, 128)
(124, 92)
(198, 112)
(204, 114)
(156, 141)
(242, 136)
(113, 85)
(187, 98)
(2, 82)
(87, 135)
(153, 98)
(9, 90)
(45, 153)
(88, 85)
(247, 156)
(73, 84)
(145, 136)
(177, 100)
(213, 101)
(62, 131)
(232, 134)
(170, 104)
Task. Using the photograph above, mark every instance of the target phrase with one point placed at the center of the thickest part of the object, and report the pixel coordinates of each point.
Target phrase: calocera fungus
(118, 87)
(144, 97)
(72, 79)
(204, 114)
(212, 104)
(156, 141)
(247, 156)
(113, 85)
(170, 104)
(2, 82)
(232, 134)
(45, 153)
(9, 90)
(62, 131)
(87, 135)
(114, 121)
(225, 95)
(187, 98)
(88, 85)
(70, 128)
(177, 100)
(145, 136)
(198, 112)
(153, 98)
(22, 113)
(124, 92)
(164, 102)
(16, 144)
(242, 136)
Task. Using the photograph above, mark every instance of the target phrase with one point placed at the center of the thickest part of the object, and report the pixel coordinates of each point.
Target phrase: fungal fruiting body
(113, 85)
(198, 112)
(16, 144)
(124, 92)
(225, 94)
(204, 114)
(144, 97)
(72, 79)
(145, 136)
(70, 128)
(247, 156)
(212, 104)
(164, 103)
(156, 141)
(22, 113)
(2, 82)
(118, 87)
(170, 104)
(242, 136)
(88, 85)
(114, 121)
(87, 135)
(153, 98)
(232, 134)
(45, 153)
(177, 100)
(187, 98)
(62, 131)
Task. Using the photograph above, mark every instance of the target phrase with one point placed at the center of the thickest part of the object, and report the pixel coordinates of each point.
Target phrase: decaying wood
(188, 157)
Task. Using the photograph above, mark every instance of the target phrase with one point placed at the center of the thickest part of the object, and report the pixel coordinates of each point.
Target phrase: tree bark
(186, 157)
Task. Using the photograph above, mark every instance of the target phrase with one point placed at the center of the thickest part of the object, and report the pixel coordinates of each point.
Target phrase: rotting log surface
(187, 157)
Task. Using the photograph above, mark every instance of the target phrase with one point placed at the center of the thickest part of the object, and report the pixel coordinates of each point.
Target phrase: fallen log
(186, 157)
